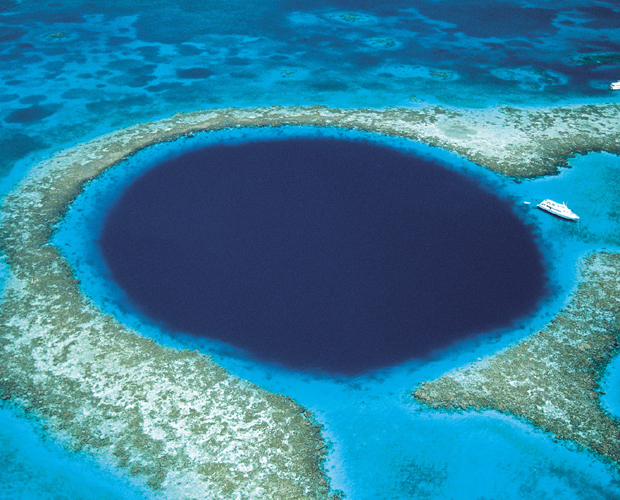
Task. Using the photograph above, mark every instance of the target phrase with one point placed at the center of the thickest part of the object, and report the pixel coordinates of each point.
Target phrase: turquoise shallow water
(35, 467)
(611, 400)
(71, 70)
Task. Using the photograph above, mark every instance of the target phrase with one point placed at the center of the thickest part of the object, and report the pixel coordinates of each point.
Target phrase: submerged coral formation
(611, 58)
(175, 420)
(184, 425)
(517, 142)
(551, 379)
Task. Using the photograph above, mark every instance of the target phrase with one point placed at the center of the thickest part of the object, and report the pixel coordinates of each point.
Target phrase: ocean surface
(71, 70)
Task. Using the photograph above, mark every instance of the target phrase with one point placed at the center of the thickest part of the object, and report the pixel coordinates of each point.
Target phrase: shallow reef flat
(552, 378)
(174, 419)
(517, 142)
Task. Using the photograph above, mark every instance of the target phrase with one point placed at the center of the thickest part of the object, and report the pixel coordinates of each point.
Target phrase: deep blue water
(321, 253)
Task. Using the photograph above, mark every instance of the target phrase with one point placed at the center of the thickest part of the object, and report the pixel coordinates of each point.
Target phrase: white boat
(559, 209)
(615, 85)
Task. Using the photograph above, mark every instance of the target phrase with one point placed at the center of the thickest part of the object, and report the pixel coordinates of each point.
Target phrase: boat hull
(557, 209)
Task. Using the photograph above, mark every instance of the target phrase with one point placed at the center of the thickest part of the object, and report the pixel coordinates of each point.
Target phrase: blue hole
(321, 254)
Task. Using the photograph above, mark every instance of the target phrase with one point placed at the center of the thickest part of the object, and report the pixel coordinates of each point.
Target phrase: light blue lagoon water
(71, 70)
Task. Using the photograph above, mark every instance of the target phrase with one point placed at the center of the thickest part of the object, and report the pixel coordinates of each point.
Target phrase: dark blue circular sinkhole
(321, 254)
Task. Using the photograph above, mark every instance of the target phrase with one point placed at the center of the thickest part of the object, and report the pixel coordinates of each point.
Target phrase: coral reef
(174, 420)
(552, 378)
(611, 58)
(184, 425)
